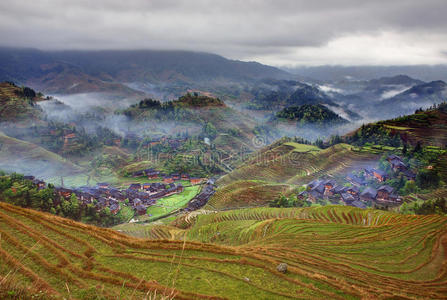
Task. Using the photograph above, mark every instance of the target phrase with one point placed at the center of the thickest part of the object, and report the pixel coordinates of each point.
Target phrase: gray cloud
(277, 32)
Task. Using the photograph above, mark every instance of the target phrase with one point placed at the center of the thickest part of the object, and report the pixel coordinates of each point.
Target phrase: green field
(332, 252)
(167, 205)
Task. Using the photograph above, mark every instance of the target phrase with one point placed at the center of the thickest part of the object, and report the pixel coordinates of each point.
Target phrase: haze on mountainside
(223, 149)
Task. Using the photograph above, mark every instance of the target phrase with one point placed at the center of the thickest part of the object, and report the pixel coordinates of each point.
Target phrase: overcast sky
(275, 32)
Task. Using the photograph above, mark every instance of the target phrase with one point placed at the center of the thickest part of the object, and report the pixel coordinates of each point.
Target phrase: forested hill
(172, 109)
(427, 127)
(314, 114)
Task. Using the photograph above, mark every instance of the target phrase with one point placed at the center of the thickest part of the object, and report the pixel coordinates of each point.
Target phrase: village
(138, 196)
(357, 191)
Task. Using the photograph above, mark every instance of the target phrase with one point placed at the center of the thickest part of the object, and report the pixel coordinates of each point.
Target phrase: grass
(332, 252)
(167, 205)
(302, 147)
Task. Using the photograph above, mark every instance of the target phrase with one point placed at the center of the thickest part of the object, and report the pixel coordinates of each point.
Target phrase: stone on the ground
(282, 267)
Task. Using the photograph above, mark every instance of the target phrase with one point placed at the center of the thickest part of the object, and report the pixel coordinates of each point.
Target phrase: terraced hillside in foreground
(331, 252)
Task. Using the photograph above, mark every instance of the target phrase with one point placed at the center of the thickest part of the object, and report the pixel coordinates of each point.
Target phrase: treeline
(177, 110)
(315, 114)
(14, 189)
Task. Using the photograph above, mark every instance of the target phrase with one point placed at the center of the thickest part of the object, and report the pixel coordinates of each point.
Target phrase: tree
(281, 201)
(426, 179)
(410, 187)
(418, 147)
(209, 130)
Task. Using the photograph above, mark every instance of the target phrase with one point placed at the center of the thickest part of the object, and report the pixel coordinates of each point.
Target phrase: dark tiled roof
(358, 204)
(347, 197)
(369, 192)
(386, 188)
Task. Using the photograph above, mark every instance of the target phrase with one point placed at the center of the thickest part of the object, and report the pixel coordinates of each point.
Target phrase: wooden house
(138, 173)
(185, 177)
(168, 179)
(176, 176)
(103, 185)
(385, 194)
(376, 174)
(115, 208)
(347, 198)
(64, 193)
(314, 196)
(356, 180)
(368, 195)
(40, 184)
(195, 180)
(328, 185)
(358, 204)
(135, 186)
(353, 190)
(141, 209)
(379, 175)
(338, 189)
(136, 202)
(152, 174)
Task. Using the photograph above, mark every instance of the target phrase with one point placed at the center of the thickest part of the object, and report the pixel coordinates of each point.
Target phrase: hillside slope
(426, 126)
(331, 252)
(18, 103)
(24, 157)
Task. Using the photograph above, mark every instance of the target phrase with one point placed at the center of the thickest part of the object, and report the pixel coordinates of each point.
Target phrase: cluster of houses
(173, 143)
(154, 174)
(140, 196)
(351, 195)
(202, 198)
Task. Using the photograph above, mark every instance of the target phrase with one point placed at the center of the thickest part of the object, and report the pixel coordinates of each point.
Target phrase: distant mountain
(93, 71)
(310, 114)
(283, 94)
(419, 96)
(394, 80)
(337, 73)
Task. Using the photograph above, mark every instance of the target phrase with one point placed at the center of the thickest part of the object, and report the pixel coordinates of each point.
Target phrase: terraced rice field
(285, 164)
(246, 193)
(331, 252)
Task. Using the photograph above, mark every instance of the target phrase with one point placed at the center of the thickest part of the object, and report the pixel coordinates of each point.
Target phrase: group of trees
(293, 201)
(427, 207)
(374, 134)
(16, 190)
(315, 114)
